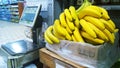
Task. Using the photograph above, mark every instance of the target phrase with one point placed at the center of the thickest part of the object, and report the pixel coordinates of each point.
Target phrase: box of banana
(87, 36)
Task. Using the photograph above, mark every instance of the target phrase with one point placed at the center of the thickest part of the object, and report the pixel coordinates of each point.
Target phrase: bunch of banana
(88, 24)
(96, 24)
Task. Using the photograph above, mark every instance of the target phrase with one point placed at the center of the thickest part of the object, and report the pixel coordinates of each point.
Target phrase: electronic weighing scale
(20, 52)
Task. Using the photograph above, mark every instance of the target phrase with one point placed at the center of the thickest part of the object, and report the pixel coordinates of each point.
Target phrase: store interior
(23, 23)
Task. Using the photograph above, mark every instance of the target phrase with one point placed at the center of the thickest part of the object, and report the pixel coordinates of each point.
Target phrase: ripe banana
(95, 21)
(68, 36)
(88, 11)
(116, 30)
(104, 13)
(63, 19)
(108, 26)
(70, 24)
(95, 42)
(68, 30)
(48, 40)
(73, 38)
(90, 39)
(84, 5)
(99, 33)
(112, 23)
(110, 37)
(58, 35)
(77, 24)
(113, 35)
(68, 14)
(58, 28)
(50, 35)
(73, 12)
(87, 28)
(77, 35)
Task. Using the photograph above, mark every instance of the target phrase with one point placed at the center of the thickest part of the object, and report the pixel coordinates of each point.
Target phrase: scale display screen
(29, 15)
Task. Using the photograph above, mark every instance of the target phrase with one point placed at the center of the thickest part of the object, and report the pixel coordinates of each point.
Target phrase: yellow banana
(95, 21)
(48, 40)
(73, 12)
(91, 39)
(77, 35)
(68, 30)
(50, 35)
(63, 19)
(95, 42)
(104, 13)
(112, 23)
(110, 37)
(59, 29)
(87, 28)
(68, 36)
(88, 11)
(77, 24)
(73, 38)
(108, 26)
(70, 24)
(94, 7)
(116, 30)
(84, 5)
(68, 14)
(58, 35)
(113, 35)
(99, 33)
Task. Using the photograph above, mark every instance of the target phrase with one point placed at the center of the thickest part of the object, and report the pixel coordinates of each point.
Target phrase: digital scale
(20, 52)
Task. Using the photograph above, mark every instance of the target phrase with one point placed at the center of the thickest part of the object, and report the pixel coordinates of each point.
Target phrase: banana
(112, 23)
(68, 30)
(62, 19)
(68, 36)
(95, 42)
(77, 35)
(88, 11)
(75, 17)
(73, 12)
(77, 24)
(87, 28)
(99, 33)
(110, 37)
(73, 38)
(104, 13)
(116, 30)
(84, 5)
(91, 39)
(58, 35)
(48, 40)
(113, 35)
(95, 21)
(108, 26)
(68, 14)
(58, 28)
(50, 35)
(70, 24)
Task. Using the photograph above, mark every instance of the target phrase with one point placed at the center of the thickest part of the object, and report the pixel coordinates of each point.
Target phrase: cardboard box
(88, 55)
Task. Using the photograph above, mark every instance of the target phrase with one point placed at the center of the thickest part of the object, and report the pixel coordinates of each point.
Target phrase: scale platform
(18, 53)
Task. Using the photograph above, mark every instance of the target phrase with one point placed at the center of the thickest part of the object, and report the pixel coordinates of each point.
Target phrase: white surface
(10, 32)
